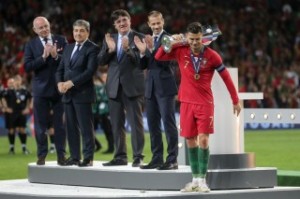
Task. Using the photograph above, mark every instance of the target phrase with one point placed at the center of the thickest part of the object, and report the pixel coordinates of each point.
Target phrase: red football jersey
(196, 89)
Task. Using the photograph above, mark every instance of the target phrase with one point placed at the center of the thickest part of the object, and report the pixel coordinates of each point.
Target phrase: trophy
(210, 34)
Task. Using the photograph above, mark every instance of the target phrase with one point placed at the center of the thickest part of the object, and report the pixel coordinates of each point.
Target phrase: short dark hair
(117, 13)
(82, 22)
(195, 27)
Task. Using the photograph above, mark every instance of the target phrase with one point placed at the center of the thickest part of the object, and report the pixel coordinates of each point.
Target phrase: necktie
(75, 54)
(45, 40)
(155, 42)
(120, 51)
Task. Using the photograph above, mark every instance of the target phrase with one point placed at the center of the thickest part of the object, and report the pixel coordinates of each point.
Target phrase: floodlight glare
(293, 116)
(279, 116)
(180, 145)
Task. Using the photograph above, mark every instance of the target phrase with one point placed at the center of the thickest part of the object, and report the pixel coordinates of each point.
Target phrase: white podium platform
(56, 182)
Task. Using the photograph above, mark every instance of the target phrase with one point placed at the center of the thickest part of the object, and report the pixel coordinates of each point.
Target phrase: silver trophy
(210, 34)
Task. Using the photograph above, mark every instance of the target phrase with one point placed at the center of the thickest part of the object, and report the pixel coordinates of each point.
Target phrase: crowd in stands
(259, 37)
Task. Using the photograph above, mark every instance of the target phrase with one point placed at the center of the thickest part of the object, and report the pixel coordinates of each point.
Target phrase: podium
(229, 166)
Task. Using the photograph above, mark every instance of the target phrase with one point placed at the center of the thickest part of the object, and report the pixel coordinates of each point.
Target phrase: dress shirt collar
(120, 36)
(81, 44)
(159, 35)
(49, 40)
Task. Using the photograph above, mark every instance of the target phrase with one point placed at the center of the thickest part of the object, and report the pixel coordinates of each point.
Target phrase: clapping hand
(111, 44)
(140, 44)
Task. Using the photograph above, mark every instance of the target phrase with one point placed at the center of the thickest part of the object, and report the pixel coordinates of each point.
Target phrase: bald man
(42, 57)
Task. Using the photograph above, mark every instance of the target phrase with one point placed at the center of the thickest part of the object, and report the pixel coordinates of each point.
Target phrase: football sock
(23, 137)
(11, 139)
(203, 161)
(194, 161)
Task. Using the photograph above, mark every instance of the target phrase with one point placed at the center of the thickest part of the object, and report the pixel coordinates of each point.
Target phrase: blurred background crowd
(259, 37)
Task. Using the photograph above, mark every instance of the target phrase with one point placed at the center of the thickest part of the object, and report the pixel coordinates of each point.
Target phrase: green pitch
(276, 148)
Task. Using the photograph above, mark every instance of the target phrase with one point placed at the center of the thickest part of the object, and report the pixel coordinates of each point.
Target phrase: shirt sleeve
(229, 84)
(221, 69)
(161, 55)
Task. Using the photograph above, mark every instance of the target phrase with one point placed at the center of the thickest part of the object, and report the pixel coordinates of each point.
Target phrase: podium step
(232, 161)
(251, 178)
(127, 177)
(121, 177)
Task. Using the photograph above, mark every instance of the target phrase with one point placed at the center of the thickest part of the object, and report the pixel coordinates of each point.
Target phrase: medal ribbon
(197, 60)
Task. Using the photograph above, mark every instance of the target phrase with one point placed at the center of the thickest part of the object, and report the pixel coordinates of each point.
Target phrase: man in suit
(42, 56)
(125, 88)
(160, 94)
(74, 78)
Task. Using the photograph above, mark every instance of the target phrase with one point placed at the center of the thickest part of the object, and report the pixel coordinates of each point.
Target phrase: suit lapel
(69, 53)
(82, 49)
(115, 37)
(159, 39)
(130, 38)
(159, 42)
(39, 45)
(54, 40)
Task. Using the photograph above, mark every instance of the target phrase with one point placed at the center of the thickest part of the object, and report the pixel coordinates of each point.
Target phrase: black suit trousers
(79, 119)
(41, 111)
(162, 108)
(132, 107)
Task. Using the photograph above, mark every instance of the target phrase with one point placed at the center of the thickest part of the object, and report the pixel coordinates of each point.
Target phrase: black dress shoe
(86, 163)
(115, 162)
(151, 165)
(137, 162)
(61, 161)
(70, 161)
(168, 166)
(41, 161)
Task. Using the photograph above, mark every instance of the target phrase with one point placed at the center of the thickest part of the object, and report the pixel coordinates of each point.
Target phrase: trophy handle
(168, 41)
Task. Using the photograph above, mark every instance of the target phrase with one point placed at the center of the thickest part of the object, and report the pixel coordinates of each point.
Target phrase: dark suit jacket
(43, 82)
(80, 73)
(127, 72)
(160, 74)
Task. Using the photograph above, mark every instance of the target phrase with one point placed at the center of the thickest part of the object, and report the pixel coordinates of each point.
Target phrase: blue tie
(120, 52)
(75, 55)
(155, 42)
